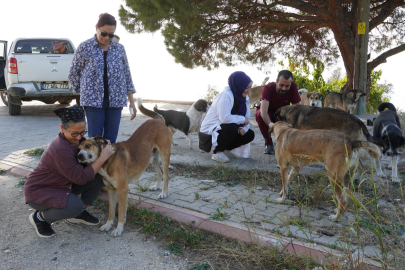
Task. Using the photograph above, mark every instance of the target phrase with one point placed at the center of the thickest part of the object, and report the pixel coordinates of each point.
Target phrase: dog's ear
(308, 95)
(100, 140)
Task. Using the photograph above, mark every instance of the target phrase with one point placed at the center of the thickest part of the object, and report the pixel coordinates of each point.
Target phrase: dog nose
(80, 156)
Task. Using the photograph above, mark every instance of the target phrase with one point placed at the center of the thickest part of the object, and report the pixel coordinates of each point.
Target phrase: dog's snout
(80, 156)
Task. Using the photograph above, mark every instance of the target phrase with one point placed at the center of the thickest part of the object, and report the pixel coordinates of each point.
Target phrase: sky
(154, 71)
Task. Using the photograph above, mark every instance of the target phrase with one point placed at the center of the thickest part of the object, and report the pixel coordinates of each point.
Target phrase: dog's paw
(118, 231)
(280, 200)
(162, 195)
(280, 193)
(154, 187)
(334, 218)
(171, 167)
(380, 174)
(395, 180)
(106, 227)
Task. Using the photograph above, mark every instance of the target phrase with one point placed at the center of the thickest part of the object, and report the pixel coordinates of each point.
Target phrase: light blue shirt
(87, 70)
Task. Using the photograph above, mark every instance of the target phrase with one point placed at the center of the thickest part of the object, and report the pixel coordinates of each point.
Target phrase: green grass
(175, 249)
(218, 252)
(20, 183)
(35, 152)
(218, 215)
(201, 266)
(142, 188)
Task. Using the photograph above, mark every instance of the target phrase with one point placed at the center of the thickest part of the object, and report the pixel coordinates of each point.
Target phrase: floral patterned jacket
(87, 69)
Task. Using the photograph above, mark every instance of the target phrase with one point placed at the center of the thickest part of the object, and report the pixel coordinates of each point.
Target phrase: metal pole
(360, 62)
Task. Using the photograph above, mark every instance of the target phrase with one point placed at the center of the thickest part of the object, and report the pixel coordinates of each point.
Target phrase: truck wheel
(65, 101)
(4, 97)
(12, 108)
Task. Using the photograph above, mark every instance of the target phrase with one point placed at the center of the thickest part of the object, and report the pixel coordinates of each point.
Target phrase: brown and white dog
(310, 98)
(151, 140)
(332, 148)
(347, 101)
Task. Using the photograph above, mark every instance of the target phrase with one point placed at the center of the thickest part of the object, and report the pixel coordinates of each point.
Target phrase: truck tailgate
(43, 67)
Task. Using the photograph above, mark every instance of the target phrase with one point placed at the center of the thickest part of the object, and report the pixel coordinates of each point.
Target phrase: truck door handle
(54, 61)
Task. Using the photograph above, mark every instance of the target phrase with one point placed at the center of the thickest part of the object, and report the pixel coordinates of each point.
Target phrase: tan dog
(128, 163)
(255, 93)
(328, 147)
(346, 102)
(311, 98)
(309, 117)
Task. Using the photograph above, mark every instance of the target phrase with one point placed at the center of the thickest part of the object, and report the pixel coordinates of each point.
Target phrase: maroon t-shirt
(277, 101)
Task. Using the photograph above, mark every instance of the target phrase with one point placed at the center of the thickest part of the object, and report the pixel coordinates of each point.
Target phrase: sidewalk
(251, 213)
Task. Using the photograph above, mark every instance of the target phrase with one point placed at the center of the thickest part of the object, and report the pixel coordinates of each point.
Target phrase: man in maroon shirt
(274, 96)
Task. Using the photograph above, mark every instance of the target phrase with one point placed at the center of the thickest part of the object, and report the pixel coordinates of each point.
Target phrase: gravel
(74, 246)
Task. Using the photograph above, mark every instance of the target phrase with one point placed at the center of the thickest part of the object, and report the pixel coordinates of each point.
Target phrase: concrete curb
(316, 252)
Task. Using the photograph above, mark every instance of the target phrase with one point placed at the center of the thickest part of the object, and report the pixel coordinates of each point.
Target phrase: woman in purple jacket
(53, 187)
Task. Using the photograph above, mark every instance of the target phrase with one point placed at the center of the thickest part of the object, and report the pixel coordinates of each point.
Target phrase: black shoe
(269, 150)
(85, 218)
(43, 228)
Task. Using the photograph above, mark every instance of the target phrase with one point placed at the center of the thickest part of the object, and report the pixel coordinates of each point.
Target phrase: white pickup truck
(36, 69)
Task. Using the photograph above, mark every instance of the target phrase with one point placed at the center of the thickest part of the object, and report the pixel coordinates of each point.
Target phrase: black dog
(388, 128)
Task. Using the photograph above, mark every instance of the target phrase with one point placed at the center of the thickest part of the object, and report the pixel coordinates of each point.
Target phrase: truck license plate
(45, 86)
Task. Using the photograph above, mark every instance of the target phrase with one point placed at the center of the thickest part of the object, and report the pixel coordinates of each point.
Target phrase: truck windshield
(51, 46)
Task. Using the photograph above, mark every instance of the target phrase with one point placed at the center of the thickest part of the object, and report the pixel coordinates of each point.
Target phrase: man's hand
(241, 131)
(246, 122)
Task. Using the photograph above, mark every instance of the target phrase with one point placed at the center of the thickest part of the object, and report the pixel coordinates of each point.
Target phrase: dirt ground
(74, 246)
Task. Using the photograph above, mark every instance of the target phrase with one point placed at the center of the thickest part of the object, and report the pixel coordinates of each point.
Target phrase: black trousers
(229, 138)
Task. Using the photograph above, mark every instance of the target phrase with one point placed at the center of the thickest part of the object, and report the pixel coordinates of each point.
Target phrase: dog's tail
(370, 137)
(374, 149)
(386, 105)
(148, 112)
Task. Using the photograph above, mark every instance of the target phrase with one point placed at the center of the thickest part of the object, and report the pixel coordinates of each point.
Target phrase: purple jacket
(51, 181)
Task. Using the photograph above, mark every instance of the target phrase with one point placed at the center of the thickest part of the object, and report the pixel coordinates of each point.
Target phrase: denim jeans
(104, 121)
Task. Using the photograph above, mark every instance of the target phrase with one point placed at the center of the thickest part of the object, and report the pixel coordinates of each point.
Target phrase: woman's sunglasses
(104, 34)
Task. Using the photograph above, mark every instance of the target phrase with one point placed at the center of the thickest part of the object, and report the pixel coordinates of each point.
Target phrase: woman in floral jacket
(100, 73)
